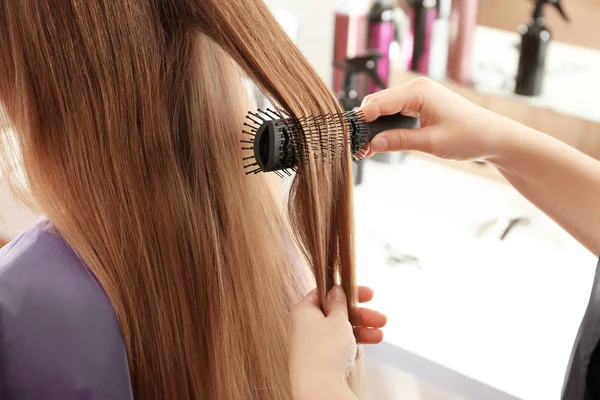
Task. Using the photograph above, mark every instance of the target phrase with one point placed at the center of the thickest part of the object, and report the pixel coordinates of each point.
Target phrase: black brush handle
(394, 121)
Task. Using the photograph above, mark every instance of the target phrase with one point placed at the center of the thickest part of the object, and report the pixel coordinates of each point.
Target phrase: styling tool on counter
(501, 227)
(382, 33)
(535, 38)
(396, 257)
(280, 144)
(422, 16)
(463, 20)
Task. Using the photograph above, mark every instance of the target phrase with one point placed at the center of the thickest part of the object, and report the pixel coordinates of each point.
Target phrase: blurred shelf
(568, 107)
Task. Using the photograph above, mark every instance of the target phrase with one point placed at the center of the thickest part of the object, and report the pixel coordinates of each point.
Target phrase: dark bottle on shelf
(535, 38)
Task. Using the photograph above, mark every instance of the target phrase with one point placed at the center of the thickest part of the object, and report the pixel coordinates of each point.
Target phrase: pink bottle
(422, 14)
(350, 40)
(382, 33)
(463, 19)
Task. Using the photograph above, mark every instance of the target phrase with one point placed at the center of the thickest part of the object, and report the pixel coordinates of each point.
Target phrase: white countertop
(481, 318)
(572, 81)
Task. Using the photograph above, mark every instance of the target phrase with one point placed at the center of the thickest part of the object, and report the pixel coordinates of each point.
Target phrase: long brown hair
(125, 125)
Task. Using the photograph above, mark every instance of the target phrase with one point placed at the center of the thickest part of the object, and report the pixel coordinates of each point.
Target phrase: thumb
(403, 140)
(336, 302)
(308, 306)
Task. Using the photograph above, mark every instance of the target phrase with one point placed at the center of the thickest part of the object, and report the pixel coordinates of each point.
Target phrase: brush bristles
(321, 137)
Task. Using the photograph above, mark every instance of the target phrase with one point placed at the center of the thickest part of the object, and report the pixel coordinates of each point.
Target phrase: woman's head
(124, 129)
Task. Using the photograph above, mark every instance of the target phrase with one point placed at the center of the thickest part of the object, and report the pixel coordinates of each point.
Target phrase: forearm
(558, 179)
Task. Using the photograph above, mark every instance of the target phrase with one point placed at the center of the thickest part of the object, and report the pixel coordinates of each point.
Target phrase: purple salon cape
(59, 336)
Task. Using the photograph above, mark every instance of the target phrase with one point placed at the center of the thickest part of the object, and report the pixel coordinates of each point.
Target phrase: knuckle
(399, 141)
(368, 99)
(423, 83)
(403, 140)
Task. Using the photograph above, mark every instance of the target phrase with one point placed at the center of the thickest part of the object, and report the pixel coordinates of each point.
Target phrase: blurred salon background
(484, 293)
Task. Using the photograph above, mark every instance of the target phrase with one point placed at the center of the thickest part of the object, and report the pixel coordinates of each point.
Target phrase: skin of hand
(323, 345)
(560, 180)
(451, 126)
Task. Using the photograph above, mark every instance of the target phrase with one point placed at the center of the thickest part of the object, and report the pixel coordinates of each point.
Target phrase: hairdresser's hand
(451, 126)
(322, 346)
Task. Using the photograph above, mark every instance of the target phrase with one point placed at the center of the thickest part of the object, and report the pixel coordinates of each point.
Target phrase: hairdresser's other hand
(451, 126)
(322, 346)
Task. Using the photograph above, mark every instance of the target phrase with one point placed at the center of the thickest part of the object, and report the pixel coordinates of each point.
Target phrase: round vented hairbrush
(280, 144)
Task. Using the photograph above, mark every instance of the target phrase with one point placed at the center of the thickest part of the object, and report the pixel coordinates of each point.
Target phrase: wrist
(509, 141)
(331, 391)
(321, 386)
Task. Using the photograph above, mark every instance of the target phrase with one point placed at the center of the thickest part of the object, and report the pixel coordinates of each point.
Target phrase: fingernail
(379, 144)
(338, 293)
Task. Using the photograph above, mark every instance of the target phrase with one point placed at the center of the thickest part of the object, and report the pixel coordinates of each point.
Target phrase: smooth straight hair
(124, 120)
